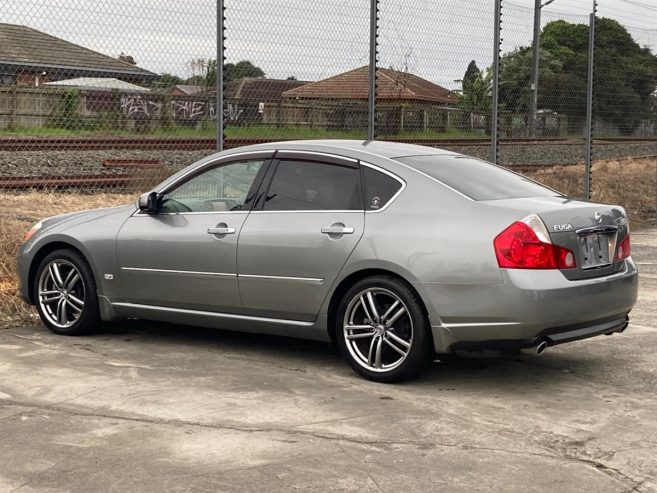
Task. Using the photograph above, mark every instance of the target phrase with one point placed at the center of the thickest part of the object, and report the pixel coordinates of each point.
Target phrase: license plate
(595, 250)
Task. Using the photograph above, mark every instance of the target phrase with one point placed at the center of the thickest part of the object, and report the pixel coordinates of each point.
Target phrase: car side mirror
(147, 203)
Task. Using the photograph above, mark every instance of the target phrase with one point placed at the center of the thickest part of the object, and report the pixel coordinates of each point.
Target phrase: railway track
(123, 180)
(41, 144)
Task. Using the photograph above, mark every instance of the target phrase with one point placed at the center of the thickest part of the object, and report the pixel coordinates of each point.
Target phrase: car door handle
(337, 230)
(221, 231)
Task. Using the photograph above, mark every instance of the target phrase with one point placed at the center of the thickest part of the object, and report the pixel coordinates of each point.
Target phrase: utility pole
(496, 80)
(374, 40)
(589, 104)
(538, 5)
(219, 85)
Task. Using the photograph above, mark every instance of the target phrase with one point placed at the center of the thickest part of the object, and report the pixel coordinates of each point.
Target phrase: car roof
(390, 150)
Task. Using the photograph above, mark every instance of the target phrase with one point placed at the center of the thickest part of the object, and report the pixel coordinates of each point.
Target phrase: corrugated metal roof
(98, 84)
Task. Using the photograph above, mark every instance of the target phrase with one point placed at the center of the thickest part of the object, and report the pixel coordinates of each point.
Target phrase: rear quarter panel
(431, 235)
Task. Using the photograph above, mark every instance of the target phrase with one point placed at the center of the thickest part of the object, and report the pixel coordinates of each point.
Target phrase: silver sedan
(394, 251)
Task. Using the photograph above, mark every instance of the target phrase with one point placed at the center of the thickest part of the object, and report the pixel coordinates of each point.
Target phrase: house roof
(98, 84)
(260, 89)
(24, 46)
(391, 85)
(189, 89)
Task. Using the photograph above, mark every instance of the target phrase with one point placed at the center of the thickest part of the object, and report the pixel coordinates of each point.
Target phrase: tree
(471, 74)
(291, 77)
(241, 69)
(127, 58)
(477, 92)
(204, 72)
(624, 80)
(168, 80)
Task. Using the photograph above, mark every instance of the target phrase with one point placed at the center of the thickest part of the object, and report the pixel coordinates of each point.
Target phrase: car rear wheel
(65, 293)
(382, 330)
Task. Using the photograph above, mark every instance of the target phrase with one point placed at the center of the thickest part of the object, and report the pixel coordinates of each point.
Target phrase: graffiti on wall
(137, 106)
(187, 111)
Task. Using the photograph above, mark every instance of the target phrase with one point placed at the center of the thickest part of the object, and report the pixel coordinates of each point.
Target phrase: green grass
(246, 132)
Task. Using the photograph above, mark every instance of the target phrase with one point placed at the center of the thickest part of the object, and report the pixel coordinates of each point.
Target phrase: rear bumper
(527, 306)
(552, 337)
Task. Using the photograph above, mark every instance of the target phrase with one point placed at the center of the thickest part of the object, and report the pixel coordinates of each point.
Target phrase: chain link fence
(117, 95)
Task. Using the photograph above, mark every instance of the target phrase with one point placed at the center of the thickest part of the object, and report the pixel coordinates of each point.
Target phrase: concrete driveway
(158, 408)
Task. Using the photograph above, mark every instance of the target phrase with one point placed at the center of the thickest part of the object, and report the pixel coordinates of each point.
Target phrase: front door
(292, 249)
(185, 255)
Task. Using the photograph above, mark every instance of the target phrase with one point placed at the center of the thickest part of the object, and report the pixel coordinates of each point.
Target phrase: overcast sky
(435, 39)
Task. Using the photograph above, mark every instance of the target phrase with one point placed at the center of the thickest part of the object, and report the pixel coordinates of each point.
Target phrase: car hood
(75, 218)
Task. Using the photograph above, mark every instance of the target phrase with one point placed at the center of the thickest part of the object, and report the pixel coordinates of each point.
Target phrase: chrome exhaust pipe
(540, 349)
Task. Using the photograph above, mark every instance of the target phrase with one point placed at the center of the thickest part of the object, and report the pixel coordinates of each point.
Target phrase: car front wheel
(382, 330)
(65, 293)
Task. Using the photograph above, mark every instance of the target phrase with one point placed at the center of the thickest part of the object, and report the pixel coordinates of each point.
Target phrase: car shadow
(447, 372)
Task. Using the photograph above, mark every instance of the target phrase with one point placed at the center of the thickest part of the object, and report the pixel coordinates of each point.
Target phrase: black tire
(82, 320)
(418, 354)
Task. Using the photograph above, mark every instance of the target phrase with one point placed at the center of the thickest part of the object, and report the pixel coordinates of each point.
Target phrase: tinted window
(477, 179)
(307, 185)
(379, 188)
(223, 188)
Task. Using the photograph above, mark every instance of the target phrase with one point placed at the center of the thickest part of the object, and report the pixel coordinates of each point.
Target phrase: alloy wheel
(378, 329)
(61, 293)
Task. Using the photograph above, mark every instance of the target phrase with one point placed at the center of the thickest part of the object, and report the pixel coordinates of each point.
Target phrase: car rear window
(475, 178)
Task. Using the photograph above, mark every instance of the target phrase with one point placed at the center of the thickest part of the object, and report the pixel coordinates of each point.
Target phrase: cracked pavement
(154, 407)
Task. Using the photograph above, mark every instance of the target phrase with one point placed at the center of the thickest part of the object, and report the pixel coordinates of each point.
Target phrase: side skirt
(242, 323)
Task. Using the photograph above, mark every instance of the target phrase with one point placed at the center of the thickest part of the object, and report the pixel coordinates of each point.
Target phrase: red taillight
(624, 249)
(519, 247)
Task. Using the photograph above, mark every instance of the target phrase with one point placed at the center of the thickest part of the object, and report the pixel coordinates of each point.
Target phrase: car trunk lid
(591, 231)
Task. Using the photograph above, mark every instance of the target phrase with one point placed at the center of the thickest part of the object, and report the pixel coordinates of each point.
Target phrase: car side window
(314, 186)
(219, 189)
(379, 188)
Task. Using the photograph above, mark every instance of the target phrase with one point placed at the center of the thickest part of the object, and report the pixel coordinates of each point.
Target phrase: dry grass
(18, 212)
(631, 183)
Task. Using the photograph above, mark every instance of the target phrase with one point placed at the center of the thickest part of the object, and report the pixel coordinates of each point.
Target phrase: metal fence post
(535, 56)
(496, 80)
(589, 105)
(374, 38)
(219, 112)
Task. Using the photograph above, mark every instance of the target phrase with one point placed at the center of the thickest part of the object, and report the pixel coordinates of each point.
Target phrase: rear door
(307, 221)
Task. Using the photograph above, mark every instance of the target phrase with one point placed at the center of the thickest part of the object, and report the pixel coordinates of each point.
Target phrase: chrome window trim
(213, 314)
(229, 158)
(362, 163)
(356, 211)
(394, 161)
(305, 280)
(391, 175)
(322, 154)
(172, 271)
(139, 213)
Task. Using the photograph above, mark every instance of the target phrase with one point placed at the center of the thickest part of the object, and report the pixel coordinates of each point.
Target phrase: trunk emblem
(598, 217)
(563, 227)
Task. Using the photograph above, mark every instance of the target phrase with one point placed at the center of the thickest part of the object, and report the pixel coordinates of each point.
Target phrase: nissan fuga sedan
(394, 251)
